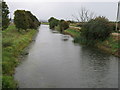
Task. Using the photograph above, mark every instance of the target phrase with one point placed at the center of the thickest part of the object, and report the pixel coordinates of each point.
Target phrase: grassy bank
(13, 44)
(110, 45)
(72, 31)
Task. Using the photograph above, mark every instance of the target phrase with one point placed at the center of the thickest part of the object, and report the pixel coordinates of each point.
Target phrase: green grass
(13, 43)
(110, 44)
(9, 82)
(72, 32)
(45, 23)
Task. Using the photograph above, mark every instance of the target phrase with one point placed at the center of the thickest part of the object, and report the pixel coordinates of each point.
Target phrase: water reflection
(98, 66)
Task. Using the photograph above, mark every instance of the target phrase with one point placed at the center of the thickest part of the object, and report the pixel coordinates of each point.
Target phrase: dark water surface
(54, 63)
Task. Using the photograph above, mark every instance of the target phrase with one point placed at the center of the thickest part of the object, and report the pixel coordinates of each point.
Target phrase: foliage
(25, 20)
(113, 25)
(20, 20)
(32, 20)
(95, 30)
(53, 22)
(7, 82)
(63, 25)
(5, 17)
(12, 48)
(57, 28)
(111, 45)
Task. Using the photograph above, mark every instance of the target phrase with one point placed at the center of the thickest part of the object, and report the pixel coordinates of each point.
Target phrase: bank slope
(13, 44)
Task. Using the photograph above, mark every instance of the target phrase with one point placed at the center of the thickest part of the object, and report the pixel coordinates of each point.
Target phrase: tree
(20, 20)
(96, 30)
(25, 20)
(63, 25)
(53, 22)
(5, 17)
(84, 15)
(32, 20)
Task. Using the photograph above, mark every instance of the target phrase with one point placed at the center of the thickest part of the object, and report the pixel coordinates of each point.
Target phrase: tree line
(92, 31)
(62, 24)
(22, 19)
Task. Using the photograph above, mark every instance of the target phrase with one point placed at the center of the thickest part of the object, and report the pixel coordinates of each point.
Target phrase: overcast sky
(44, 9)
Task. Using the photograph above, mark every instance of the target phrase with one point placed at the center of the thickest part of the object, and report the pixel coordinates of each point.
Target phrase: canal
(54, 63)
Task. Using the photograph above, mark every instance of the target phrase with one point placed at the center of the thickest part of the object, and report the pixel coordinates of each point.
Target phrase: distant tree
(53, 22)
(52, 18)
(5, 17)
(63, 25)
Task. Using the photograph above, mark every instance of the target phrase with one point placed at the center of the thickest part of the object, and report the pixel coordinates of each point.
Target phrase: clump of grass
(111, 44)
(13, 44)
(8, 82)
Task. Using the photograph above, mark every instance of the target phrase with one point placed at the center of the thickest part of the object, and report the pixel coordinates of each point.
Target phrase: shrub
(53, 22)
(95, 30)
(20, 20)
(25, 20)
(32, 20)
(63, 25)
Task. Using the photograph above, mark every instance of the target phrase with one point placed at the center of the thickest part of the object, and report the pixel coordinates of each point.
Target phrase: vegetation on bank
(25, 20)
(13, 44)
(72, 31)
(60, 25)
(110, 45)
(15, 37)
(96, 32)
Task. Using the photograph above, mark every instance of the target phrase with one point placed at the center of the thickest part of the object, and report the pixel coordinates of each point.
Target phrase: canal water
(54, 63)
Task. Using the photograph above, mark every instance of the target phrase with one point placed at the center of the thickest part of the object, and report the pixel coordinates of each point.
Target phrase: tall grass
(13, 44)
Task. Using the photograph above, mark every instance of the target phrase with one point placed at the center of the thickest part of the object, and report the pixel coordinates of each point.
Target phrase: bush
(53, 22)
(32, 20)
(25, 20)
(95, 30)
(63, 25)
